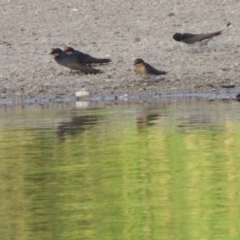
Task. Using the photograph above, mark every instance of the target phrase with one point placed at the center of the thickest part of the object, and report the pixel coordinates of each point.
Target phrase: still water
(161, 170)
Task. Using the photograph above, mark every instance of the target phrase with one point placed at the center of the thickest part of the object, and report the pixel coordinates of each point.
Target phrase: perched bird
(85, 58)
(195, 39)
(71, 62)
(145, 70)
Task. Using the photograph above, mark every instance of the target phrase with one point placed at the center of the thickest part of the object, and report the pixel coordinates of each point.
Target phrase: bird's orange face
(54, 53)
(139, 66)
(68, 51)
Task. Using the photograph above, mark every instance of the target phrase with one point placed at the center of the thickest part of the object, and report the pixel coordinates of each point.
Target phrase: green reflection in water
(164, 171)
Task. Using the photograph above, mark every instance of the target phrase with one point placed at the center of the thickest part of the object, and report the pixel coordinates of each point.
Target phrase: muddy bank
(122, 31)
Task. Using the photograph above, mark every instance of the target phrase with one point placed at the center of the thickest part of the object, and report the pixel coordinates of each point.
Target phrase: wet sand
(122, 31)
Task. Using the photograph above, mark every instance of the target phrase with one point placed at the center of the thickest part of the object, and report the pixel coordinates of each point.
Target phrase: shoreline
(120, 98)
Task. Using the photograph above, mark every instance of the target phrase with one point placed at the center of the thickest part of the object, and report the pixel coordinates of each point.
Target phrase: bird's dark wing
(188, 37)
(152, 70)
(72, 62)
(87, 59)
(191, 38)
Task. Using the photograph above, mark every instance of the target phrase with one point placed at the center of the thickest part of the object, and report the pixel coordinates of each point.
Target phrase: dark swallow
(83, 57)
(145, 70)
(71, 62)
(192, 39)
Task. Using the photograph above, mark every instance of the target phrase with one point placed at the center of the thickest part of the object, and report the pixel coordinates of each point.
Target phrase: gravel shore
(123, 31)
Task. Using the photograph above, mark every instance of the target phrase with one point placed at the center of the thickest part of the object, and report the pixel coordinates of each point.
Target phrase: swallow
(145, 70)
(71, 62)
(83, 57)
(192, 39)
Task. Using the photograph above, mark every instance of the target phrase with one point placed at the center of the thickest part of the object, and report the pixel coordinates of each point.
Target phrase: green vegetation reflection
(120, 174)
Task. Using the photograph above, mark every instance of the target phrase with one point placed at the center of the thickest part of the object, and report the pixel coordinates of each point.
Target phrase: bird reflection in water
(75, 126)
(146, 120)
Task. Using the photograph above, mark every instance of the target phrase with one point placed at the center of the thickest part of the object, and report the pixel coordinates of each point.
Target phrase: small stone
(137, 39)
(82, 93)
(20, 79)
(107, 80)
(231, 85)
(225, 69)
(3, 90)
(238, 97)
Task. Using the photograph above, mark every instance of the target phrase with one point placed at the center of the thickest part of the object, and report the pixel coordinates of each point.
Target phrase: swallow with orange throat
(146, 70)
(71, 62)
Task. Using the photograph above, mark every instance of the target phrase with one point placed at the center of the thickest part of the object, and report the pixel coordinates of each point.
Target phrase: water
(163, 170)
